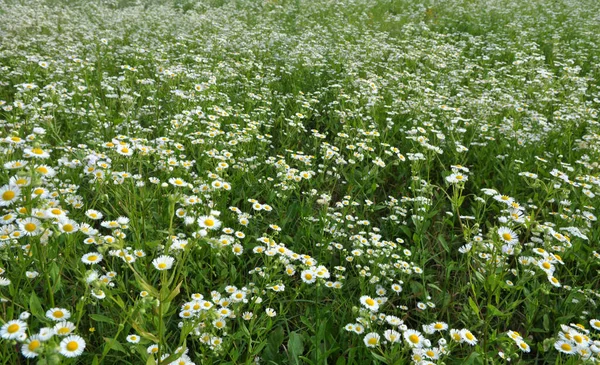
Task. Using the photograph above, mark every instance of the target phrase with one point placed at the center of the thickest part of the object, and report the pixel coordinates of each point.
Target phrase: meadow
(299, 182)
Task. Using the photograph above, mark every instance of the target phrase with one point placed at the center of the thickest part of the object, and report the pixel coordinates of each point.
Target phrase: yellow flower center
(162, 265)
(430, 353)
(68, 227)
(370, 302)
(30, 227)
(413, 338)
(566, 347)
(37, 151)
(308, 276)
(21, 181)
(469, 336)
(8, 195)
(38, 191)
(58, 314)
(33, 345)
(546, 265)
(578, 338)
(63, 331)
(13, 328)
(42, 170)
(209, 222)
(372, 341)
(72, 346)
(438, 326)
(92, 258)
(507, 236)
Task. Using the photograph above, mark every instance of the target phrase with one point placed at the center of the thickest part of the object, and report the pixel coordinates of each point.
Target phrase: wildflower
(308, 276)
(468, 337)
(163, 262)
(58, 314)
(63, 328)
(91, 258)
(565, 347)
(72, 346)
(12, 330)
(9, 194)
(392, 336)
(30, 226)
(209, 222)
(372, 339)
(31, 346)
(414, 338)
(369, 303)
(507, 235)
(456, 178)
(270, 312)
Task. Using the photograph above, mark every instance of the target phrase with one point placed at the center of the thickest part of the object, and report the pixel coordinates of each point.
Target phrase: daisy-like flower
(392, 336)
(308, 276)
(468, 337)
(565, 347)
(508, 235)
(456, 336)
(554, 281)
(456, 178)
(9, 194)
(12, 330)
(58, 314)
(209, 222)
(163, 262)
(68, 226)
(124, 150)
(30, 226)
(72, 346)
(176, 181)
(31, 346)
(133, 339)
(64, 328)
(91, 258)
(547, 266)
(369, 303)
(414, 338)
(595, 323)
(45, 171)
(45, 334)
(270, 312)
(523, 346)
(35, 153)
(98, 293)
(93, 214)
(372, 339)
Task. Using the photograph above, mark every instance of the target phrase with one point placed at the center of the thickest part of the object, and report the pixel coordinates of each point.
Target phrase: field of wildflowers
(299, 182)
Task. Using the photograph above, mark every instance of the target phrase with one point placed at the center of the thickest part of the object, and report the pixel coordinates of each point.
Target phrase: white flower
(369, 303)
(372, 339)
(58, 314)
(72, 346)
(12, 330)
(209, 222)
(163, 262)
(133, 339)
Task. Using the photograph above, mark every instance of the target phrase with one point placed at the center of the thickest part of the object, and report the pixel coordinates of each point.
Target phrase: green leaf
(114, 345)
(473, 359)
(150, 360)
(36, 307)
(101, 318)
(473, 306)
(295, 347)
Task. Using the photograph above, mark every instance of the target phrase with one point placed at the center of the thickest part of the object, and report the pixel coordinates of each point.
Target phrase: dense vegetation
(299, 182)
